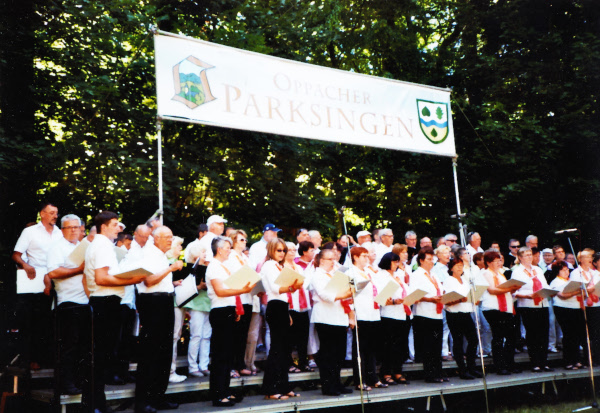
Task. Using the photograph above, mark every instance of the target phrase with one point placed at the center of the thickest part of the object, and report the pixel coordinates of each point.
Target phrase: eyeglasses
(71, 228)
(280, 250)
(452, 240)
(514, 246)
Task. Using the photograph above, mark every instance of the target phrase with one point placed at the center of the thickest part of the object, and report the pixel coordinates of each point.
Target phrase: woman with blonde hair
(276, 381)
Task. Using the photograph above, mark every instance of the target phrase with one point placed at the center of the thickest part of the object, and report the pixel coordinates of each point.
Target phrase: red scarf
(301, 297)
(438, 306)
(367, 276)
(502, 306)
(406, 308)
(537, 285)
(239, 308)
(592, 298)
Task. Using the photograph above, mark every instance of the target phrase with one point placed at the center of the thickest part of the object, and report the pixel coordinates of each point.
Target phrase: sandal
(400, 379)
(293, 394)
(294, 369)
(571, 367)
(364, 388)
(308, 369)
(380, 385)
(245, 372)
(276, 397)
(389, 381)
(234, 374)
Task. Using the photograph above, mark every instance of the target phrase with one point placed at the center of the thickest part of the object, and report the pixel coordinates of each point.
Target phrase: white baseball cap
(362, 234)
(215, 219)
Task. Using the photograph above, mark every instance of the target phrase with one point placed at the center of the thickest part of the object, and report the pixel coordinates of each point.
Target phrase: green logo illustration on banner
(433, 120)
(190, 82)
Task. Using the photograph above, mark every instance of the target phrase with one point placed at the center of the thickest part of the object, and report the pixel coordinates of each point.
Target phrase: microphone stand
(584, 297)
(477, 328)
(351, 284)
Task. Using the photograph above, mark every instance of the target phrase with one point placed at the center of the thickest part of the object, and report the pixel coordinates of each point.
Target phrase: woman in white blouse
(498, 309)
(460, 322)
(567, 308)
(427, 321)
(331, 315)
(299, 303)
(533, 309)
(237, 259)
(224, 313)
(276, 382)
(368, 319)
(586, 272)
(395, 321)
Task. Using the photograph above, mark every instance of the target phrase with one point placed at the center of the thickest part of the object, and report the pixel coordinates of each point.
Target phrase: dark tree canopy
(78, 117)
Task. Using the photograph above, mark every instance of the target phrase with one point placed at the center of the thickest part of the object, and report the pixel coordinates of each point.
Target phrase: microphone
(566, 230)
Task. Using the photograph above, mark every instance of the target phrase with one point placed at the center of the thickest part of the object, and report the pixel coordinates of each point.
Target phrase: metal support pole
(477, 329)
(458, 212)
(160, 183)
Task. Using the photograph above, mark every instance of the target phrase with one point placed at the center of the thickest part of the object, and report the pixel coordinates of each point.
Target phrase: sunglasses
(280, 250)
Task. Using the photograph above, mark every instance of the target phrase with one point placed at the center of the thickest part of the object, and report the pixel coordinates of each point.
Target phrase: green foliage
(523, 72)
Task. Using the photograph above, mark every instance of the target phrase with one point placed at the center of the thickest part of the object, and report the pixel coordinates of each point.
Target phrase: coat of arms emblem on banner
(190, 82)
(433, 120)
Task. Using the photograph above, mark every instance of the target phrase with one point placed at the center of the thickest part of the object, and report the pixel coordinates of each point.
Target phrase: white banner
(207, 83)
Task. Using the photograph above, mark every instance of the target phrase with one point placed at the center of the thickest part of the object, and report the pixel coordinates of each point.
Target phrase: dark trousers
(536, 325)
(107, 324)
(240, 337)
(156, 347)
(299, 337)
(222, 321)
(331, 355)
(34, 321)
(74, 343)
(593, 319)
(368, 335)
(276, 368)
(572, 323)
(428, 334)
(395, 345)
(461, 326)
(503, 350)
(127, 341)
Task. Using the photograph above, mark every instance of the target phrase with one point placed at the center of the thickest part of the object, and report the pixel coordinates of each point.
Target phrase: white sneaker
(312, 364)
(176, 378)
(196, 373)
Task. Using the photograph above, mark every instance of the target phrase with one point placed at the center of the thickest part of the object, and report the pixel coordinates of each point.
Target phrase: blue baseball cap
(271, 227)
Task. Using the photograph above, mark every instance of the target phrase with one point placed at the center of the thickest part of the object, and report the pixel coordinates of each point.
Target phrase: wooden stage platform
(193, 392)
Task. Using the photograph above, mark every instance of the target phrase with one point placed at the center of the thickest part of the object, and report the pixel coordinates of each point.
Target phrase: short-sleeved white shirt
(233, 264)
(576, 276)
(100, 254)
(395, 311)
(490, 301)
(572, 302)
(35, 242)
(326, 309)
(364, 301)
(217, 271)
(156, 261)
(464, 289)
(67, 289)
(269, 272)
(520, 274)
(419, 280)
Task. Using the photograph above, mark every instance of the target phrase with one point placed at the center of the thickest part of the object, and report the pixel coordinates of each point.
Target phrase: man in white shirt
(216, 227)
(131, 261)
(450, 240)
(155, 306)
(531, 241)
(33, 308)
(548, 259)
(202, 230)
(440, 271)
(106, 291)
(73, 312)
(387, 239)
(473, 244)
(363, 237)
(258, 250)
